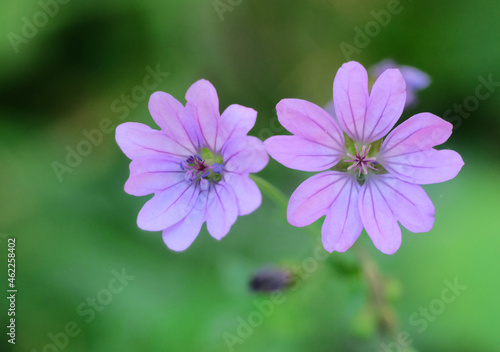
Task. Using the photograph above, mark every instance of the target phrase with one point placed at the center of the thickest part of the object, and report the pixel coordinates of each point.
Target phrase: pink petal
(425, 167)
(244, 154)
(157, 163)
(419, 132)
(378, 217)
(168, 113)
(153, 174)
(246, 191)
(407, 152)
(384, 200)
(415, 79)
(137, 140)
(409, 203)
(343, 225)
(203, 106)
(385, 105)
(168, 207)
(307, 120)
(314, 196)
(350, 97)
(330, 109)
(236, 120)
(222, 210)
(180, 236)
(301, 154)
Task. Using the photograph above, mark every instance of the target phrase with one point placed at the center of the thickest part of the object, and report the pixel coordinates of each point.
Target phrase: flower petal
(168, 114)
(350, 97)
(415, 79)
(246, 191)
(378, 217)
(222, 210)
(407, 151)
(409, 203)
(419, 132)
(342, 225)
(384, 200)
(180, 236)
(385, 105)
(301, 154)
(307, 120)
(157, 163)
(203, 106)
(168, 207)
(153, 174)
(138, 140)
(314, 196)
(425, 167)
(244, 154)
(330, 109)
(236, 120)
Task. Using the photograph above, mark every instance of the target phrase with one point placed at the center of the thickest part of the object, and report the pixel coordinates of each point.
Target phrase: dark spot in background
(73, 61)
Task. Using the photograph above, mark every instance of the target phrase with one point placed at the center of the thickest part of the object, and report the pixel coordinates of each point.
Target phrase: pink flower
(366, 181)
(197, 165)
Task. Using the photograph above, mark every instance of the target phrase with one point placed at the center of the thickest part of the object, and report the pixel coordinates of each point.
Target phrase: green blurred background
(64, 76)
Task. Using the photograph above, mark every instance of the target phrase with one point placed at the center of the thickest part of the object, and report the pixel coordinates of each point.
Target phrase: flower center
(205, 169)
(361, 160)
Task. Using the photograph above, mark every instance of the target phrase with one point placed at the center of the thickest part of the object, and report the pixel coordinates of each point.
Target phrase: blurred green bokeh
(75, 232)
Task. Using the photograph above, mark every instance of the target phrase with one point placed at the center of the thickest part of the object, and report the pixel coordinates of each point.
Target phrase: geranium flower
(197, 165)
(366, 181)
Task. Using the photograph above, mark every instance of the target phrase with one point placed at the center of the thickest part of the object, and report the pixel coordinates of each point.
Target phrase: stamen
(361, 160)
(363, 151)
(217, 168)
(369, 147)
(189, 176)
(198, 169)
(364, 169)
(204, 184)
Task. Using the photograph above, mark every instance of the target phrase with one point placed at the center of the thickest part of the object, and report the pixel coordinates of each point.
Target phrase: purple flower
(366, 181)
(197, 165)
(415, 79)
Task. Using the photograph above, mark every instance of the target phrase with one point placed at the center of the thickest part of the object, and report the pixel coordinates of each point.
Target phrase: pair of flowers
(198, 164)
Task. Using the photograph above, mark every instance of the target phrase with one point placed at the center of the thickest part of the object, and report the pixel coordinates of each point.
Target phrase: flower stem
(271, 191)
(343, 265)
(386, 320)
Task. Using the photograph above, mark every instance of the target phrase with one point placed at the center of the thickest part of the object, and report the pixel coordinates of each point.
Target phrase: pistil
(197, 168)
(361, 160)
